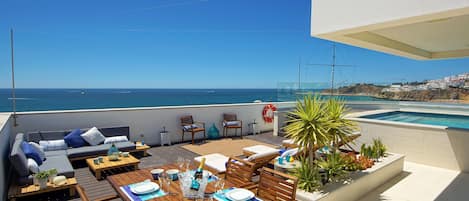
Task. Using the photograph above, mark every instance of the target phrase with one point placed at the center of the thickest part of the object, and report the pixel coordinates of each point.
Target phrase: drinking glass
(219, 186)
(187, 164)
(167, 181)
(180, 162)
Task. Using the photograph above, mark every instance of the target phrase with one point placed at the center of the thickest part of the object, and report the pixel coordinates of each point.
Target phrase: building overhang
(418, 29)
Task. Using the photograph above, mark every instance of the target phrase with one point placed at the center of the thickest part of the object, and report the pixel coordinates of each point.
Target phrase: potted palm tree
(309, 125)
(341, 127)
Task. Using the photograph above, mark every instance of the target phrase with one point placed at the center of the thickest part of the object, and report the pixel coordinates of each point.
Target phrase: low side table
(165, 138)
(19, 192)
(139, 147)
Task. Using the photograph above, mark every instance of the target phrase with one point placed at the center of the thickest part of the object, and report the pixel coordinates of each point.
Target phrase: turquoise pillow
(30, 152)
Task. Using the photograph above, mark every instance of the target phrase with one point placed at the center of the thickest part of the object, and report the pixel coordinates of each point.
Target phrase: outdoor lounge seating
(230, 121)
(188, 125)
(289, 143)
(214, 162)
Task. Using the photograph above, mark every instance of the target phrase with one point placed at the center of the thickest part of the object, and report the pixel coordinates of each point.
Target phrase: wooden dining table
(127, 178)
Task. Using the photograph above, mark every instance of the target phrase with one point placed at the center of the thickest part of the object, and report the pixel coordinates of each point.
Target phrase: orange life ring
(268, 113)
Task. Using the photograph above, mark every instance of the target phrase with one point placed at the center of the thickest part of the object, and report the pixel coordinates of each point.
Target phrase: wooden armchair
(230, 121)
(239, 171)
(188, 125)
(84, 197)
(275, 186)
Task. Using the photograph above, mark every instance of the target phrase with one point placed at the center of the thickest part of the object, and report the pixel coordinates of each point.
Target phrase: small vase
(42, 183)
(51, 178)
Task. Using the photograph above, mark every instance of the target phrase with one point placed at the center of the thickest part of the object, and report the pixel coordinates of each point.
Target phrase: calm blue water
(64, 99)
(455, 121)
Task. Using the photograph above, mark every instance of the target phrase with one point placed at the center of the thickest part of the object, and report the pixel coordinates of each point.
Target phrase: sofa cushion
(93, 136)
(55, 153)
(30, 152)
(18, 158)
(98, 149)
(214, 161)
(115, 139)
(59, 162)
(53, 145)
(73, 139)
(39, 150)
(33, 166)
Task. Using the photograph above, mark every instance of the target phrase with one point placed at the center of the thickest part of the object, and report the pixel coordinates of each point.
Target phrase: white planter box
(361, 182)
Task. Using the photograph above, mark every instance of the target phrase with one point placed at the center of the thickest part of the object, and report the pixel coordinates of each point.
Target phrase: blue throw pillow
(73, 139)
(30, 152)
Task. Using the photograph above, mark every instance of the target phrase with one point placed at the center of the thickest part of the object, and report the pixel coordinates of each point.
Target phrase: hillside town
(460, 81)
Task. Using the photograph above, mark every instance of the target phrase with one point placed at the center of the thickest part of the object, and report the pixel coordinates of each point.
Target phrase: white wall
(147, 121)
(328, 16)
(5, 129)
(439, 147)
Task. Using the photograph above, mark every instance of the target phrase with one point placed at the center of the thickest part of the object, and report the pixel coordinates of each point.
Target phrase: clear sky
(183, 44)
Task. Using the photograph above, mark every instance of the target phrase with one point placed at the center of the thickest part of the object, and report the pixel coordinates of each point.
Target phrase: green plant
(42, 175)
(335, 166)
(308, 176)
(374, 151)
(341, 127)
(53, 171)
(379, 147)
(308, 125)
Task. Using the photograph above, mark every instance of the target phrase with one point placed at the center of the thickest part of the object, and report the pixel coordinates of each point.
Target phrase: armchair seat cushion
(59, 162)
(214, 161)
(231, 123)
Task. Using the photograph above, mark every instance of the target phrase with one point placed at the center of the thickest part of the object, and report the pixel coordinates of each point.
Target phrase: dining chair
(188, 125)
(275, 186)
(230, 121)
(84, 197)
(239, 171)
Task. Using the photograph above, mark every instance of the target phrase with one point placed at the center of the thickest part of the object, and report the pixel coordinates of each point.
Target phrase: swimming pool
(454, 121)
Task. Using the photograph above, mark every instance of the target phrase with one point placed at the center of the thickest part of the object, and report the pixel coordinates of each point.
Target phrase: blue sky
(183, 44)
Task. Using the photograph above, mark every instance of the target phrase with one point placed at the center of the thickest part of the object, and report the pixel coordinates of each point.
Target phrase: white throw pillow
(115, 139)
(53, 145)
(39, 150)
(290, 152)
(32, 166)
(93, 136)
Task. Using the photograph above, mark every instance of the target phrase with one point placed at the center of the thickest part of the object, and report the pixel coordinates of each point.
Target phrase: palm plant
(341, 127)
(335, 165)
(308, 125)
(309, 178)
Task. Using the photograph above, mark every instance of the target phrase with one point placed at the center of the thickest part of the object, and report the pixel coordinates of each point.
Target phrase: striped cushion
(115, 139)
(53, 145)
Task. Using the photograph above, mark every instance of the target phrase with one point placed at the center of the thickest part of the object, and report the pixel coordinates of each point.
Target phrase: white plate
(239, 194)
(144, 188)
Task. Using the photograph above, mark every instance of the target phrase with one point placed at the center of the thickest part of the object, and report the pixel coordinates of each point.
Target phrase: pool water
(454, 121)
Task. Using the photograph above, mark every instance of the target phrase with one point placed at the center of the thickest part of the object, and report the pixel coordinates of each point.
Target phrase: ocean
(69, 99)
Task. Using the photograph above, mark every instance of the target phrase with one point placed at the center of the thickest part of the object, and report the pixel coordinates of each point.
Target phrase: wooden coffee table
(19, 192)
(129, 161)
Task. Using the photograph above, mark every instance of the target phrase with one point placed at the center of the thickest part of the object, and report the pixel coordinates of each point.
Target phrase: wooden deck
(157, 156)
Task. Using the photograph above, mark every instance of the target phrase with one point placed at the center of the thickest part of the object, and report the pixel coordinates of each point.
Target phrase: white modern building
(418, 29)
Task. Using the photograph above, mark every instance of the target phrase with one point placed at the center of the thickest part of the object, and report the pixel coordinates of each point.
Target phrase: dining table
(175, 193)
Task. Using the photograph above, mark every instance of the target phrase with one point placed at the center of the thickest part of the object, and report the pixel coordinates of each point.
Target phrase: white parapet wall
(147, 121)
(6, 124)
(437, 146)
(360, 183)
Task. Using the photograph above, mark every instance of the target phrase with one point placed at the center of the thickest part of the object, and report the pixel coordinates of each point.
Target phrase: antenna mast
(13, 94)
